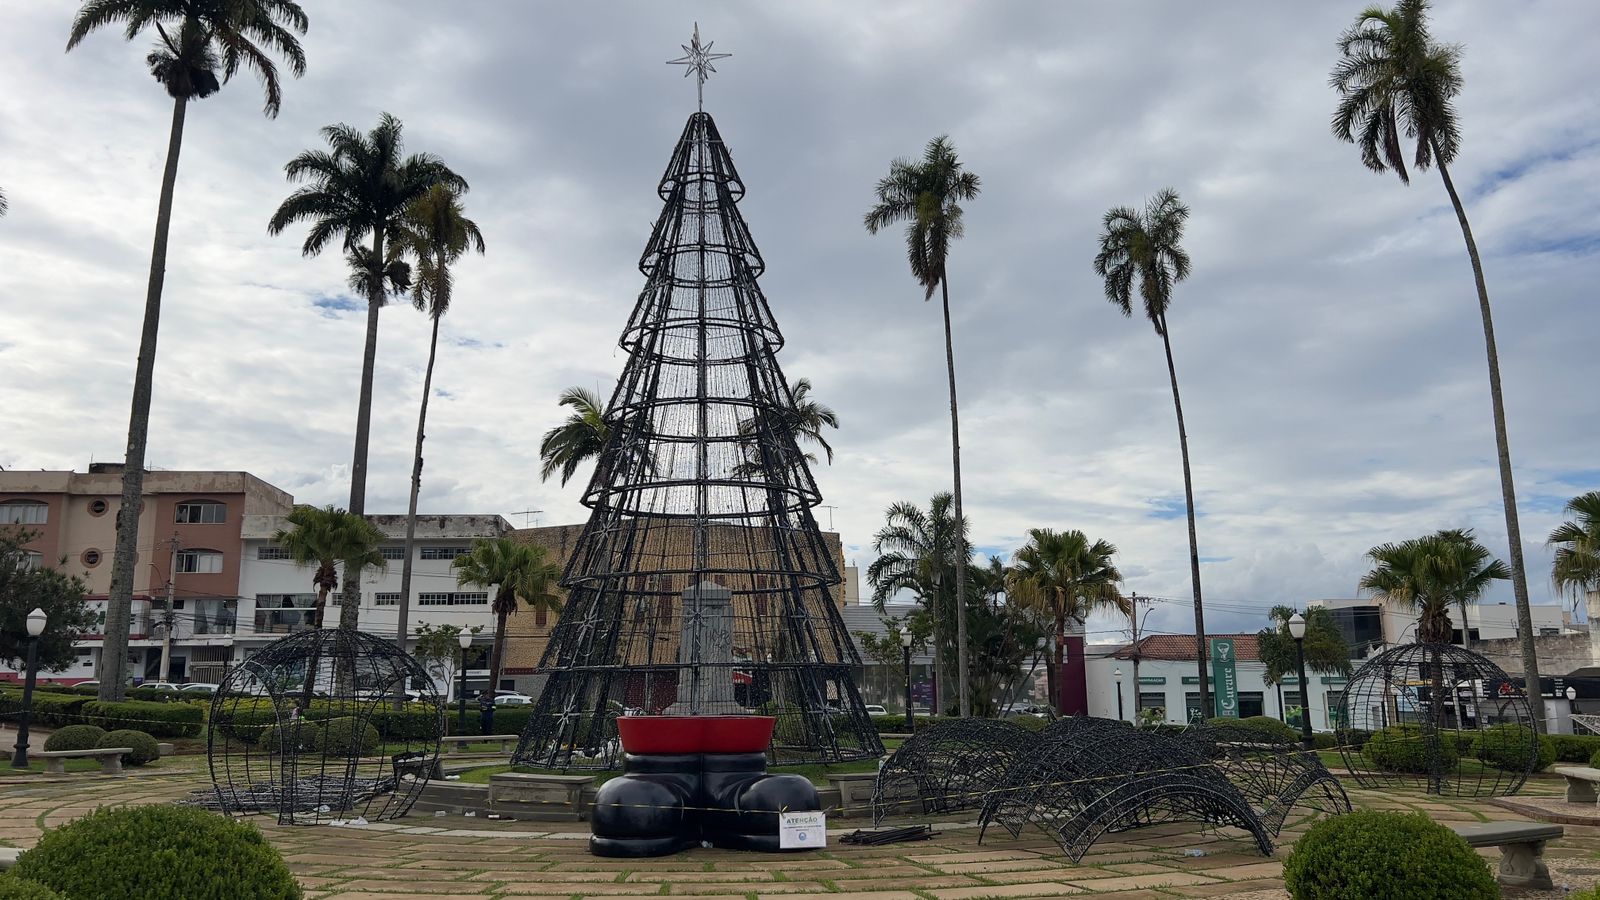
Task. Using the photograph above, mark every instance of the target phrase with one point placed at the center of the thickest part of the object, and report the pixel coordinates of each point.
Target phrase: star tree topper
(698, 59)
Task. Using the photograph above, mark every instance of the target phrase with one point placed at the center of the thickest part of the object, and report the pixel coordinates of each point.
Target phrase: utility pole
(1134, 619)
(166, 619)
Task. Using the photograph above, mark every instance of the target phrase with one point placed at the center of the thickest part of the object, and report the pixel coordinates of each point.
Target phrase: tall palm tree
(1396, 84)
(801, 422)
(198, 40)
(437, 233)
(926, 194)
(359, 188)
(918, 551)
(1067, 577)
(581, 437)
(1576, 568)
(1431, 574)
(1143, 249)
(326, 538)
(516, 572)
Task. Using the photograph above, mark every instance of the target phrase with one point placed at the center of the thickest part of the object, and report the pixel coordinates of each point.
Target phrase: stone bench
(8, 857)
(55, 761)
(458, 745)
(1521, 849)
(1580, 783)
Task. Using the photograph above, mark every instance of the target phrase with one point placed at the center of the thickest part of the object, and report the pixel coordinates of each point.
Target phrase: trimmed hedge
(1375, 855)
(158, 719)
(1510, 746)
(55, 710)
(158, 853)
(1405, 748)
(897, 724)
(1268, 727)
(1572, 748)
(143, 746)
(75, 737)
(20, 889)
(246, 720)
(340, 737)
(1594, 761)
(300, 734)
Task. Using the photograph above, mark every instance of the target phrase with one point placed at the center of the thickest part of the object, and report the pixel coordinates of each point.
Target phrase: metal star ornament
(698, 59)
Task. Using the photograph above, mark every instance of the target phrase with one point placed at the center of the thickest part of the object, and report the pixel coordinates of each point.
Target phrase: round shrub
(346, 736)
(143, 746)
(1375, 855)
(1268, 727)
(1512, 747)
(1594, 761)
(19, 889)
(1407, 748)
(301, 732)
(75, 737)
(158, 853)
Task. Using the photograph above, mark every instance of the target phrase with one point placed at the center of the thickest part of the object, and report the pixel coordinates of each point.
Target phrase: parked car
(1037, 710)
(158, 686)
(874, 709)
(205, 688)
(511, 698)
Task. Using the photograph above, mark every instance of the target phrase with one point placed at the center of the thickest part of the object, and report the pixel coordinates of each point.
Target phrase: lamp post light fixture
(1117, 674)
(1297, 630)
(905, 644)
(465, 640)
(36, 622)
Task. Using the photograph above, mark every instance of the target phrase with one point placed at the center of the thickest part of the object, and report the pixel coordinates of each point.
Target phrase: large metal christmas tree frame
(701, 584)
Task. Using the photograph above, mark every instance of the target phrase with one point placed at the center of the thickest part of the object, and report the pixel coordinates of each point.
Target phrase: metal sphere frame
(271, 748)
(701, 584)
(1437, 718)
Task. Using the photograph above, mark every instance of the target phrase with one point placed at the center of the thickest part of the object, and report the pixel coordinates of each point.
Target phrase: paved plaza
(444, 857)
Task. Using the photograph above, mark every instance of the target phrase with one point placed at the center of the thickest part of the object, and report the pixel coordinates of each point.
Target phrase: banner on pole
(1226, 675)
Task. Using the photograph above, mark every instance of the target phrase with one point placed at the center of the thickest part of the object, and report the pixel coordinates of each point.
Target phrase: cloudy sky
(1328, 344)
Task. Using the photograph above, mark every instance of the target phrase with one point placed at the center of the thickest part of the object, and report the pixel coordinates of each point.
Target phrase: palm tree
(803, 421)
(1065, 576)
(197, 39)
(437, 233)
(581, 437)
(1576, 568)
(926, 195)
(515, 571)
(1145, 247)
(1325, 650)
(327, 537)
(918, 551)
(1431, 574)
(1395, 84)
(360, 187)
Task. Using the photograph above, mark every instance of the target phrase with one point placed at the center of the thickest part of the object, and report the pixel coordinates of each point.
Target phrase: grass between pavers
(36, 767)
(817, 773)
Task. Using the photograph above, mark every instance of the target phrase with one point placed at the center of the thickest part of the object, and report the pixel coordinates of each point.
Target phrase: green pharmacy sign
(1226, 674)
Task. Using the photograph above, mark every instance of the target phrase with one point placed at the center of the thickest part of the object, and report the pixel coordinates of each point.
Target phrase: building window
(1291, 699)
(1335, 699)
(202, 512)
(285, 601)
(1251, 703)
(32, 560)
(541, 618)
(395, 552)
(199, 562)
(271, 551)
(1152, 700)
(443, 552)
(1192, 711)
(458, 599)
(98, 507)
(24, 512)
(90, 558)
(386, 599)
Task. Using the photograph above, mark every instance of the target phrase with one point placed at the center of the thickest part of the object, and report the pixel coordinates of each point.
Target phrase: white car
(874, 709)
(506, 699)
(199, 687)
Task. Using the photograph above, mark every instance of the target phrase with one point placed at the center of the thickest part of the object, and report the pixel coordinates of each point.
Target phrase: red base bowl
(695, 734)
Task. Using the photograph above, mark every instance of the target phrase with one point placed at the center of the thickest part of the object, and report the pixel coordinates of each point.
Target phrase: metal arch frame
(951, 766)
(700, 481)
(357, 675)
(1482, 713)
(1275, 775)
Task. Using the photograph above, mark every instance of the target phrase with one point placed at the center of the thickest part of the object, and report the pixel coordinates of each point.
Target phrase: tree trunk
(497, 651)
(350, 604)
(416, 488)
(1194, 543)
(965, 708)
(1058, 663)
(1508, 489)
(119, 602)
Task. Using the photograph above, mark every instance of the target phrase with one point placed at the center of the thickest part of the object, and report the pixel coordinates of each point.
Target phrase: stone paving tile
(849, 895)
(545, 887)
(1127, 882)
(1033, 889)
(1219, 889)
(877, 872)
(783, 887)
(1002, 865)
(1272, 869)
(940, 859)
(646, 871)
(1047, 873)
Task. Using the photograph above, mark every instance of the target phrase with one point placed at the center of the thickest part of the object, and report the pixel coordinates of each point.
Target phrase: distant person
(486, 713)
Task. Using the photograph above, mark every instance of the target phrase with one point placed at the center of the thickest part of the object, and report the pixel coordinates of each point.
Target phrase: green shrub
(419, 722)
(1407, 748)
(1590, 894)
(1510, 747)
(143, 746)
(1268, 727)
(345, 736)
(301, 734)
(1594, 761)
(159, 719)
(897, 724)
(1324, 741)
(1375, 855)
(1572, 748)
(75, 737)
(1029, 723)
(158, 853)
(52, 709)
(21, 889)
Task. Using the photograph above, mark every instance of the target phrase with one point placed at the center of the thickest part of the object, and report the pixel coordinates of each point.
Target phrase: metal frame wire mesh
(1438, 718)
(288, 729)
(701, 583)
(950, 766)
(1274, 774)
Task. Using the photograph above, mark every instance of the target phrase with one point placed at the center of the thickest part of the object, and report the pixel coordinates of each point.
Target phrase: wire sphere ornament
(312, 728)
(1437, 718)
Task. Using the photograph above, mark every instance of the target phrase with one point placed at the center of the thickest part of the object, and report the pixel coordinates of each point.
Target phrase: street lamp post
(905, 644)
(36, 623)
(1117, 674)
(1297, 630)
(465, 640)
